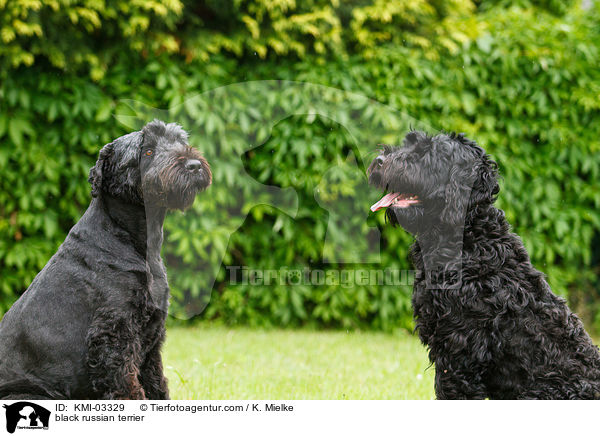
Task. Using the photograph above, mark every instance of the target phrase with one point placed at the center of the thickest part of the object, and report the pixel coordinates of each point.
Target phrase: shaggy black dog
(493, 327)
(92, 322)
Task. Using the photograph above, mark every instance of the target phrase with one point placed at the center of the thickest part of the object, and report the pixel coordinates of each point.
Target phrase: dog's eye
(149, 152)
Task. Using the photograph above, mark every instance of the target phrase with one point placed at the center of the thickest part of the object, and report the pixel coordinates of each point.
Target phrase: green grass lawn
(220, 363)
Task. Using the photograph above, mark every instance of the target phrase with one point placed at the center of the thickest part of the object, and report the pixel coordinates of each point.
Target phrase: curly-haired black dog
(493, 327)
(92, 322)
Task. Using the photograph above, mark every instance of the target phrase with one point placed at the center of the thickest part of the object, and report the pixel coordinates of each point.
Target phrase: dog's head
(155, 165)
(432, 182)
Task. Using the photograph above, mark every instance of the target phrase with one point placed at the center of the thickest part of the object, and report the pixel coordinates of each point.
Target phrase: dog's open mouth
(396, 199)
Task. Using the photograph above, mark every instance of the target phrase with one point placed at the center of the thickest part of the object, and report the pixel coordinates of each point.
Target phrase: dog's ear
(97, 171)
(456, 196)
(486, 185)
(473, 184)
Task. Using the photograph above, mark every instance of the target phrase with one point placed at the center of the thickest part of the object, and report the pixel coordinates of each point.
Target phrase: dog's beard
(181, 198)
(174, 188)
(410, 218)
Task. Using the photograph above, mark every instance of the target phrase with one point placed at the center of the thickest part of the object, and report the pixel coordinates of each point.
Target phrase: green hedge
(521, 80)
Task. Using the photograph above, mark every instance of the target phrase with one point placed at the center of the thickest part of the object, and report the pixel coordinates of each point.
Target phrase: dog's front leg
(454, 381)
(113, 358)
(152, 376)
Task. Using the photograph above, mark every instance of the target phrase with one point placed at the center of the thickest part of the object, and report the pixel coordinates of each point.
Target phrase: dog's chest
(156, 282)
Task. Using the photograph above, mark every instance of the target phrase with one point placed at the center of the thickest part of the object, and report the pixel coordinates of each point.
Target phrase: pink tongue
(385, 201)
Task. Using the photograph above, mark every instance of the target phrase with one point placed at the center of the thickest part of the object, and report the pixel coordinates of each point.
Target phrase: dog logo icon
(26, 415)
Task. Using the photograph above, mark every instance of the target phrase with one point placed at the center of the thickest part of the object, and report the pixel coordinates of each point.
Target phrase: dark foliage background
(521, 78)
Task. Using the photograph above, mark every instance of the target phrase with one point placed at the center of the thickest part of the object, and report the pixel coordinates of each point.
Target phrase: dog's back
(505, 323)
(43, 335)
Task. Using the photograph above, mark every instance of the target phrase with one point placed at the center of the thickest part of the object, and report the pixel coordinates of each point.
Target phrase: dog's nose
(193, 165)
(379, 161)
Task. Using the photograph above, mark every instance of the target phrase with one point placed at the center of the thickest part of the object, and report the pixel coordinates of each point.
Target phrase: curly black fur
(92, 322)
(493, 327)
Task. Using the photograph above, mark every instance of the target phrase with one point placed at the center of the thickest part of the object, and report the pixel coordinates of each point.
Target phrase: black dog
(493, 326)
(92, 322)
